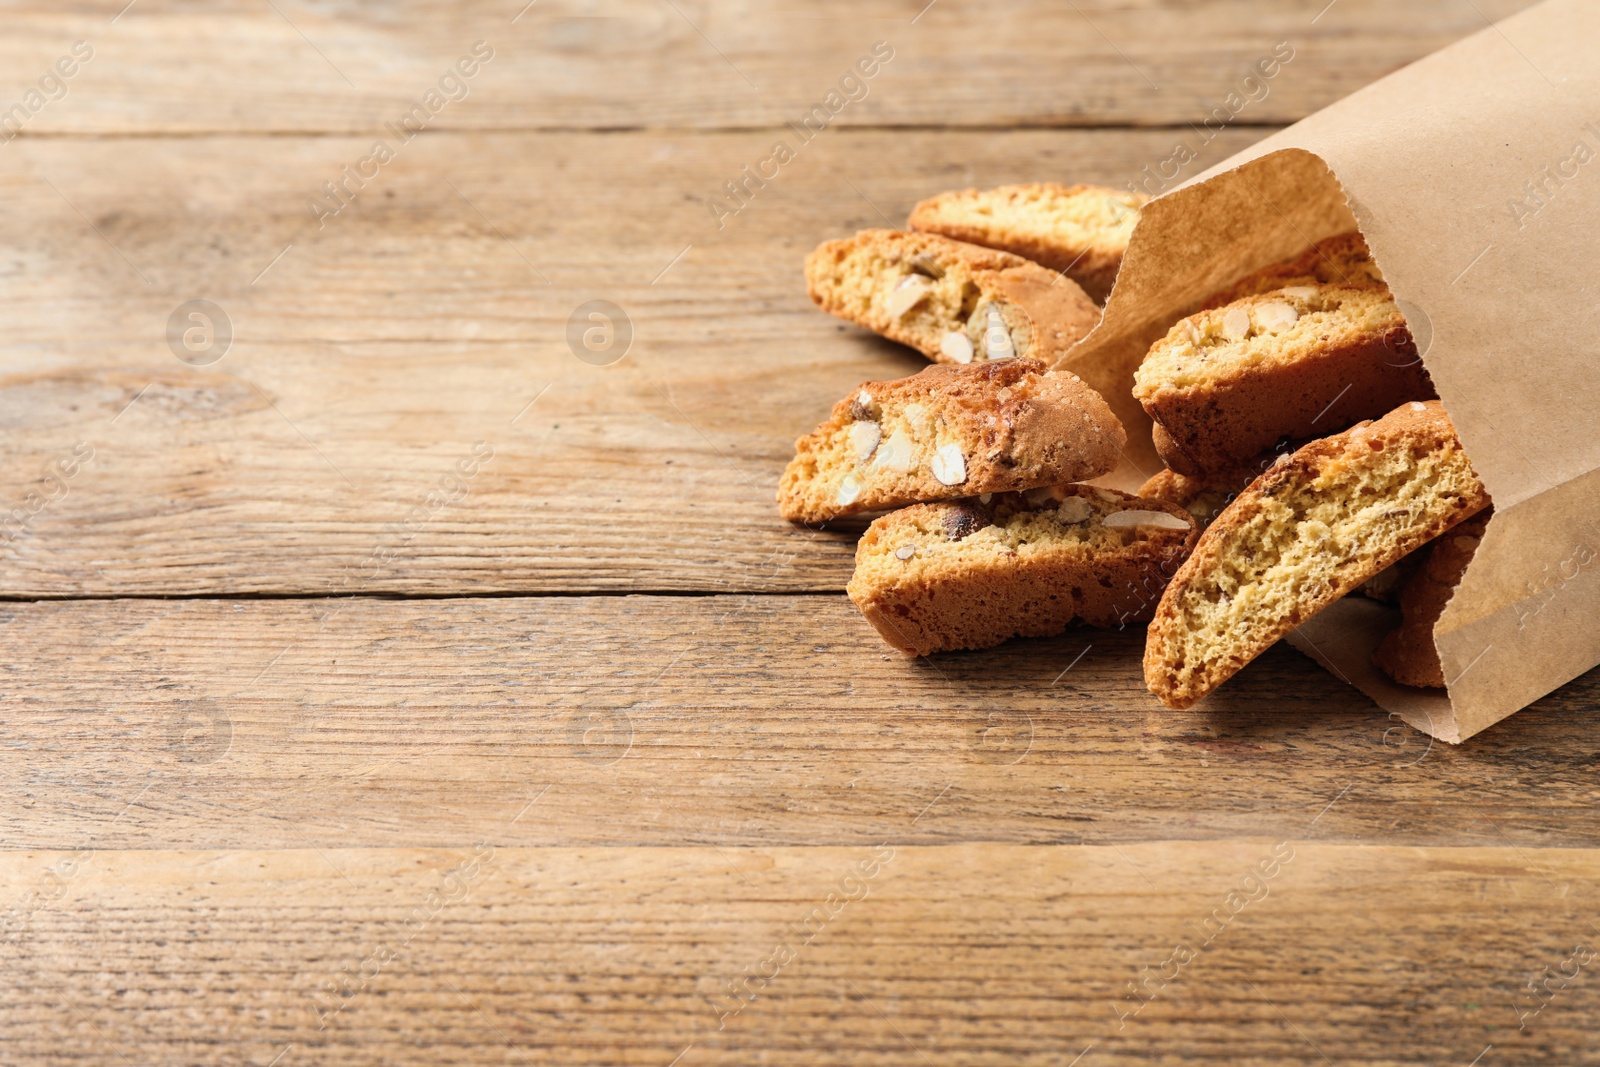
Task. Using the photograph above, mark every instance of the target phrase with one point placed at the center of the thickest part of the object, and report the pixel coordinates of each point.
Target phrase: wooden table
(387, 684)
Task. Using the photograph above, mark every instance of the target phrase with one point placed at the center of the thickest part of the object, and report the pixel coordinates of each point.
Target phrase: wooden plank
(718, 721)
(370, 357)
(970, 954)
(293, 66)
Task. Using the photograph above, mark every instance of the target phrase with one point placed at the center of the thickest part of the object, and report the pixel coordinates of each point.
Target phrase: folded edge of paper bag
(1442, 166)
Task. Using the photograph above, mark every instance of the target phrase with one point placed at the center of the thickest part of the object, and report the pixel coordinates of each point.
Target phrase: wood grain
(240, 804)
(961, 954)
(297, 66)
(726, 721)
(378, 350)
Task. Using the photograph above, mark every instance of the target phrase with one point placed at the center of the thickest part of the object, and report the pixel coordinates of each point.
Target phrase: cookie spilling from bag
(1080, 230)
(1230, 382)
(953, 302)
(948, 432)
(976, 572)
(1314, 527)
(1206, 496)
(1408, 654)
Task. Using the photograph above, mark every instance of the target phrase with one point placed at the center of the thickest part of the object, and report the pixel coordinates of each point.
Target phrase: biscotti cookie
(1080, 230)
(1385, 586)
(1341, 260)
(953, 302)
(1308, 531)
(971, 574)
(950, 432)
(1408, 655)
(1231, 382)
(1204, 497)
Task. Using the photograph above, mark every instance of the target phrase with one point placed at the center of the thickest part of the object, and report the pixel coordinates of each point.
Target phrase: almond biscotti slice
(1080, 230)
(1205, 497)
(971, 574)
(1341, 260)
(953, 302)
(1231, 382)
(950, 432)
(1408, 654)
(1308, 531)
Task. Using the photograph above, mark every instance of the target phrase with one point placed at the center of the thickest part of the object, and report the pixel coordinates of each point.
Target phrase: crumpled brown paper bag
(1475, 176)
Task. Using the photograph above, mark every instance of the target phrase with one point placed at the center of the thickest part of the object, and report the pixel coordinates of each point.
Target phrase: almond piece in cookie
(1408, 655)
(953, 302)
(965, 574)
(1231, 382)
(950, 432)
(1080, 230)
(1301, 536)
(1341, 260)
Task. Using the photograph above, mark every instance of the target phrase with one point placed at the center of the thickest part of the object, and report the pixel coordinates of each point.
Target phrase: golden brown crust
(921, 288)
(1341, 260)
(1080, 230)
(1308, 531)
(1218, 398)
(1059, 312)
(1408, 654)
(969, 574)
(949, 432)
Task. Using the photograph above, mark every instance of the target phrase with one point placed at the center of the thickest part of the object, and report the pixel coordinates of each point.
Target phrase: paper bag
(1475, 176)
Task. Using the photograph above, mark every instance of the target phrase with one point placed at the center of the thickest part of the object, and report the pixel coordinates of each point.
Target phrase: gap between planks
(673, 131)
(558, 594)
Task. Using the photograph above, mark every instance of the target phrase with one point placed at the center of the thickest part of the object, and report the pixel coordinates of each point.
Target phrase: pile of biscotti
(1307, 456)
